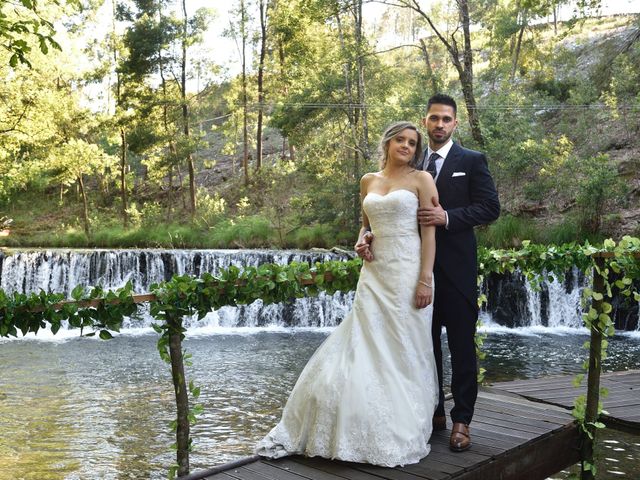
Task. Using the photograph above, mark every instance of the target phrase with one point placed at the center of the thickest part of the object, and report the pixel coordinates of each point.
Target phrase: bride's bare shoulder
(424, 178)
(367, 178)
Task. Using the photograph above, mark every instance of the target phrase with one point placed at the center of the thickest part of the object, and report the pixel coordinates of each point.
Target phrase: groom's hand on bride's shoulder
(363, 245)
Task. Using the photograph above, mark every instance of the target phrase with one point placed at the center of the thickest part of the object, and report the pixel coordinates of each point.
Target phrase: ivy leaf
(105, 335)
(77, 293)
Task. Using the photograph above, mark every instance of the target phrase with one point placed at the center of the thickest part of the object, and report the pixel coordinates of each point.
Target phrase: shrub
(508, 231)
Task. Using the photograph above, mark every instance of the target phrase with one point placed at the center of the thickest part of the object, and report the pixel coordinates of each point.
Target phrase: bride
(369, 392)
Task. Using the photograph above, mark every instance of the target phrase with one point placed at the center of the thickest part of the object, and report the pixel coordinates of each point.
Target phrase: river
(82, 408)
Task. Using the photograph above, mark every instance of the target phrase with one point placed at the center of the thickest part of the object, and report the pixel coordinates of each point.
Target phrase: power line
(541, 107)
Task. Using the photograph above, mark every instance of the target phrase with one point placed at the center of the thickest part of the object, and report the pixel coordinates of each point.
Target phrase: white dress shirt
(443, 152)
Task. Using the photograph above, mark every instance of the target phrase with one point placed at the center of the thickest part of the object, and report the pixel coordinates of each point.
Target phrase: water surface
(81, 408)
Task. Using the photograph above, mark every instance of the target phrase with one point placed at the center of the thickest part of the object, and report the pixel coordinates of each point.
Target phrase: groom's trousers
(453, 311)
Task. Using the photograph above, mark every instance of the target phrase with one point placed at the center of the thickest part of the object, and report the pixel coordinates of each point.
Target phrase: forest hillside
(271, 156)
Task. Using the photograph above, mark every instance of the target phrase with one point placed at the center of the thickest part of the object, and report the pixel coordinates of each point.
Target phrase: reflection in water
(617, 455)
(85, 409)
(34, 439)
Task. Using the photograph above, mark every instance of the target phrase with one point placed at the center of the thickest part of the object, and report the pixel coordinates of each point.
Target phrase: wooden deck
(622, 405)
(521, 430)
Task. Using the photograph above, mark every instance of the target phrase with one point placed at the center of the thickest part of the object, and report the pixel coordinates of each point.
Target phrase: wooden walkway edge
(621, 405)
(522, 430)
(513, 439)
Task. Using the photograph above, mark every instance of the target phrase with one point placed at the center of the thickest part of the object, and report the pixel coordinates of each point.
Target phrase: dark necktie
(431, 166)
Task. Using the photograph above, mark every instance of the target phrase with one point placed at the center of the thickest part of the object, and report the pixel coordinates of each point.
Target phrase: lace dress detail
(369, 392)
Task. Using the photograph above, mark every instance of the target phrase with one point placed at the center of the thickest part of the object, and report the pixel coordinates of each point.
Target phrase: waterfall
(513, 301)
(60, 271)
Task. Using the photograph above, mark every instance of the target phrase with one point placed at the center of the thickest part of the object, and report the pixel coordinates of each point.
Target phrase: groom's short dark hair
(442, 99)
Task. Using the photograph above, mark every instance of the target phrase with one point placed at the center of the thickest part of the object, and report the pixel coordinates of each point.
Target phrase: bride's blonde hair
(393, 130)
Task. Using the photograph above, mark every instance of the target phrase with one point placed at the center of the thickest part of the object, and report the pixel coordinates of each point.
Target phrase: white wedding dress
(369, 392)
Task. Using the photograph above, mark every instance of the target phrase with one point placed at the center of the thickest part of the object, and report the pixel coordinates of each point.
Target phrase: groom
(468, 198)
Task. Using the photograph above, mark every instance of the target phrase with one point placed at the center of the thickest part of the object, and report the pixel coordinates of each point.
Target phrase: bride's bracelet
(428, 285)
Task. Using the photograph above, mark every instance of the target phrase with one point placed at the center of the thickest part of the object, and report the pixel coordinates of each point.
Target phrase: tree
(153, 40)
(356, 109)
(264, 15)
(462, 59)
(74, 159)
(120, 114)
(22, 24)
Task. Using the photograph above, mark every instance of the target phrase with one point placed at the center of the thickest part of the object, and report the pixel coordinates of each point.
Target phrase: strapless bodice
(393, 214)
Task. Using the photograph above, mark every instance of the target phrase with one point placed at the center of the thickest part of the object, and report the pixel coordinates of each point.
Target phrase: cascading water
(100, 409)
(61, 271)
(515, 302)
(512, 300)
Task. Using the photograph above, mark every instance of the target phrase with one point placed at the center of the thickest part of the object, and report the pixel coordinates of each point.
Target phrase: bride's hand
(424, 295)
(363, 247)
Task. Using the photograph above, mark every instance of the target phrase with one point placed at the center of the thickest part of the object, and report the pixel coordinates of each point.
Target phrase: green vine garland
(102, 312)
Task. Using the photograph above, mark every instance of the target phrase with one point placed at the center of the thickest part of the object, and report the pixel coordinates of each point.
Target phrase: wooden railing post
(182, 395)
(593, 379)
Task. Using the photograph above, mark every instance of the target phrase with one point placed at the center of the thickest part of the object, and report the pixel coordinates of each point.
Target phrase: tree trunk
(467, 78)
(352, 116)
(427, 61)
(364, 138)
(464, 68)
(516, 54)
(85, 207)
(264, 9)
(123, 133)
(283, 73)
(591, 413)
(245, 139)
(185, 112)
(165, 122)
(182, 395)
(123, 176)
(180, 189)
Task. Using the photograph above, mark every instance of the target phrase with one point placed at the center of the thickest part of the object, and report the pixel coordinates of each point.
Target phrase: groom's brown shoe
(439, 423)
(460, 439)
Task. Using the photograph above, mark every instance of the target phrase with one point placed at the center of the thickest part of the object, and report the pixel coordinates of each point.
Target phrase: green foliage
(507, 231)
(186, 296)
(559, 90)
(21, 25)
(98, 310)
(318, 235)
(242, 232)
(599, 185)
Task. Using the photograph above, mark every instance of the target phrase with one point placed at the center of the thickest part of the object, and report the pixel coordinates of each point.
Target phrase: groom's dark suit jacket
(468, 194)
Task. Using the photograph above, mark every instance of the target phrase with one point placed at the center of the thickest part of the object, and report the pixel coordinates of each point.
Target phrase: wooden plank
(478, 438)
(510, 422)
(271, 472)
(336, 467)
(290, 464)
(528, 416)
(388, 473)
(513, 438)
(426, 470)
(538, 460)
(484, 428)
(473, 455)
(242, 473)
